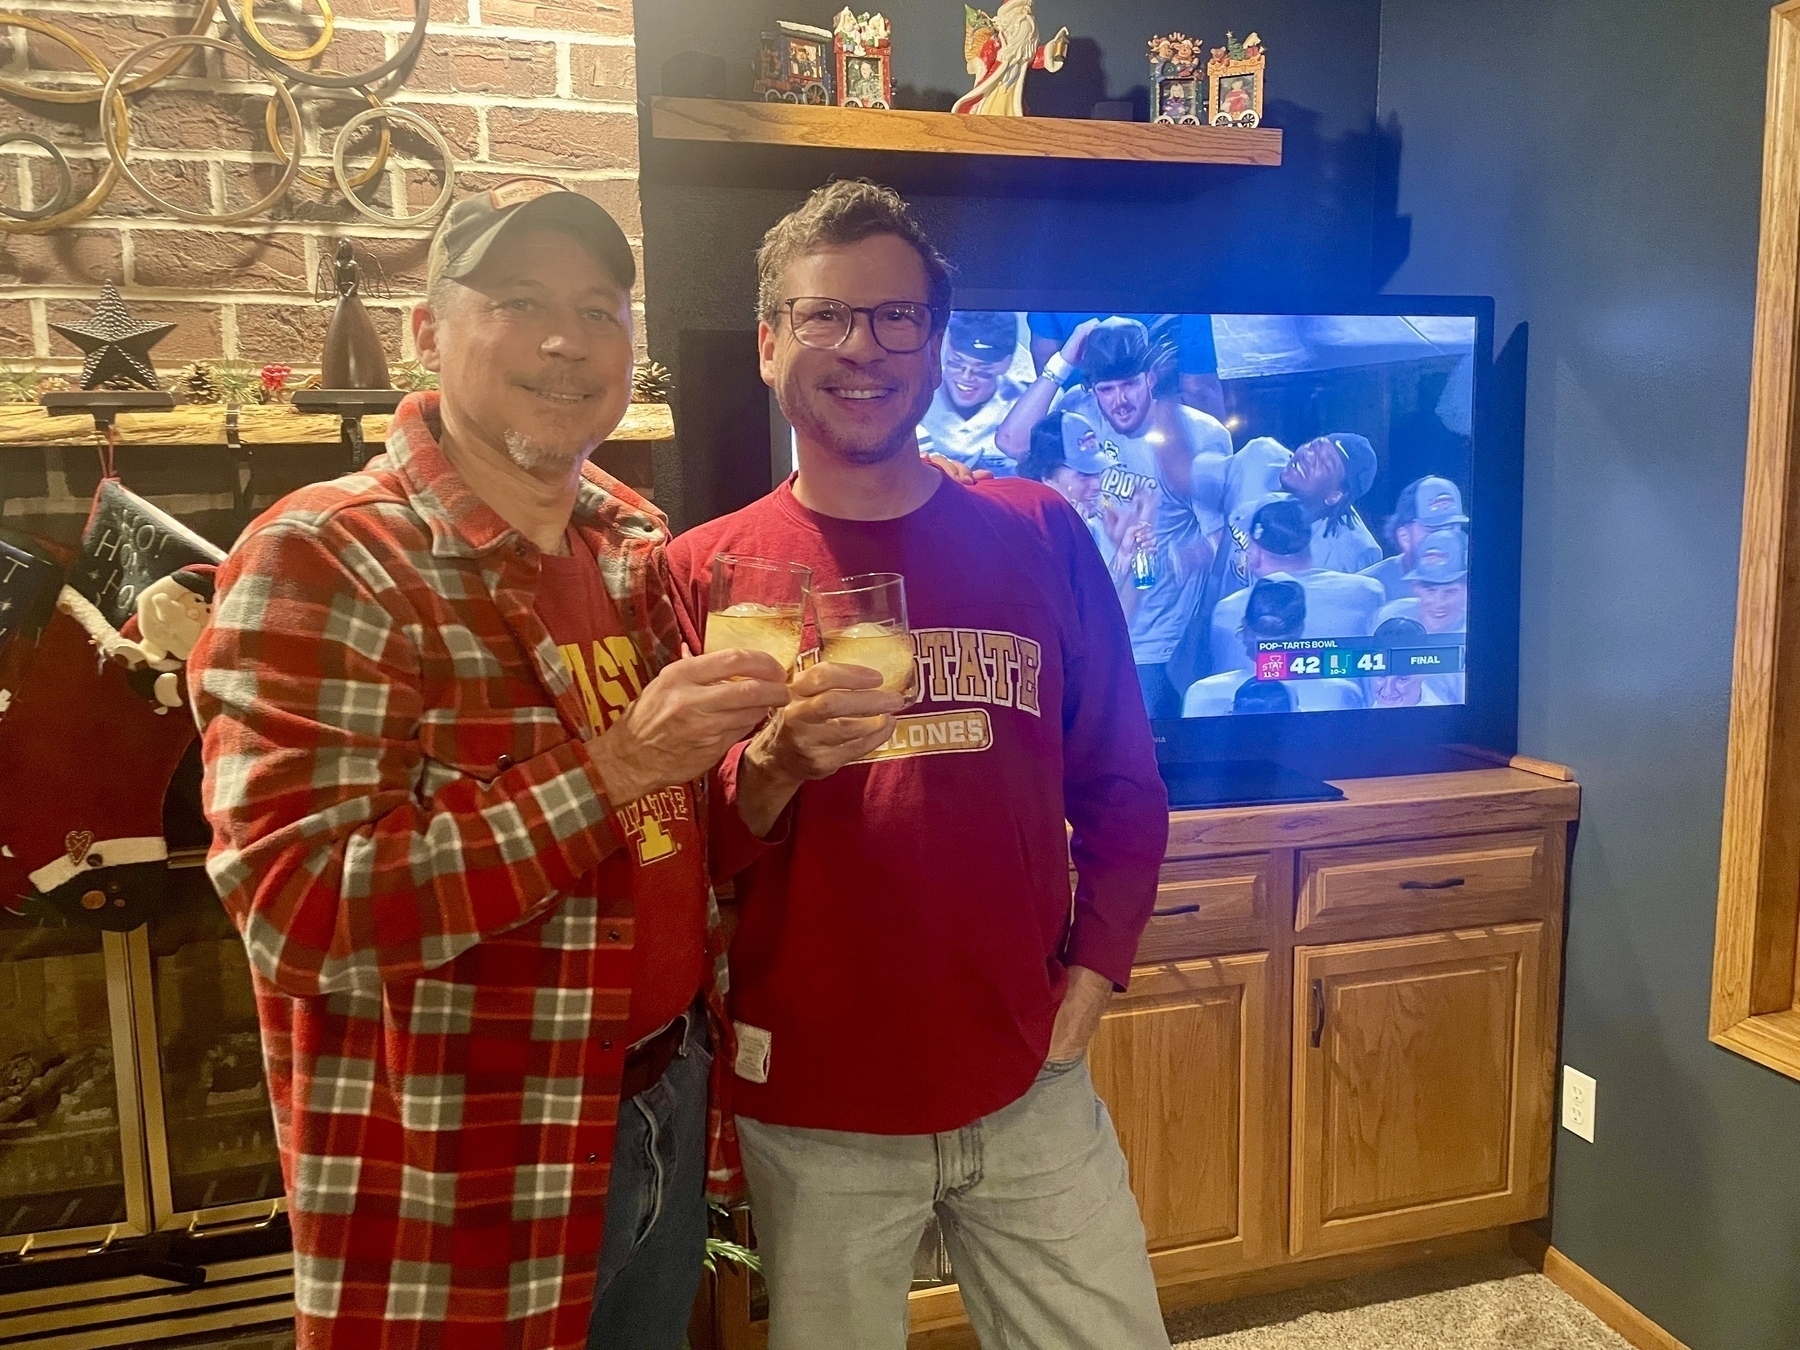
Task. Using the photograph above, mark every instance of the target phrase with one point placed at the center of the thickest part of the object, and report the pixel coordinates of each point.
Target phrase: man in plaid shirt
(457, 774)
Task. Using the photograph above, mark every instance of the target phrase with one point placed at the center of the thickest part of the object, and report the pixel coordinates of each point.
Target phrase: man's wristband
(1058, 369)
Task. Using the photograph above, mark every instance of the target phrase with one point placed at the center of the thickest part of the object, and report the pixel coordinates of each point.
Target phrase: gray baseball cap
(475, 222)
(1443, 557)
(1435, 503)
(1084, 459)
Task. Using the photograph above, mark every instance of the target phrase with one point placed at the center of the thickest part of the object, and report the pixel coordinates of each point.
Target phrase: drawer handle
(1447, 884)
(1171, 913)
(1318, 998)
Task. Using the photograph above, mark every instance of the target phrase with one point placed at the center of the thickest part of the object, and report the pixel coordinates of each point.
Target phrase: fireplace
(141, 1185)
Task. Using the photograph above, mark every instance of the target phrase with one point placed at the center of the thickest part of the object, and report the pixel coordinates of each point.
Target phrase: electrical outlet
(1578, 1095)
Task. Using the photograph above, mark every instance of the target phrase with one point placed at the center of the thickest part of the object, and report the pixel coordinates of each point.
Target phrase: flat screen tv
(1310, 519)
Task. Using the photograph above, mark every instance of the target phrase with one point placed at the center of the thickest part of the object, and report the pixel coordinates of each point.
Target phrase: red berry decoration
(274, 382)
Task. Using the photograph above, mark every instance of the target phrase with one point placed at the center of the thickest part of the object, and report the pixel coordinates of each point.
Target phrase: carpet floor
(1482, 1303)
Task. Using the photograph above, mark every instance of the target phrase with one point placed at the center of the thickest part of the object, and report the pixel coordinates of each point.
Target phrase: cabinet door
(1421, 1086)
(1182, 1064)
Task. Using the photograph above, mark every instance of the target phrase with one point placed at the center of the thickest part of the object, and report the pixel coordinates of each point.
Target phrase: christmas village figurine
(352, 358)
(1235, 82)
(1177, 97)
(999, 48)
(796, 65)
(864, 56)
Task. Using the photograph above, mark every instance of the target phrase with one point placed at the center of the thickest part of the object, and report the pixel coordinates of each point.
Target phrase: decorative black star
(117, 345)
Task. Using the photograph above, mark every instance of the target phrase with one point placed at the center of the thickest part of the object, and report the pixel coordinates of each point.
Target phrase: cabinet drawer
(1460, 878)
(1206, 905)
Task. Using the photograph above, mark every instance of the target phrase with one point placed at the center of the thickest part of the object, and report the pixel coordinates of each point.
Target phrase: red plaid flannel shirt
(406, 829)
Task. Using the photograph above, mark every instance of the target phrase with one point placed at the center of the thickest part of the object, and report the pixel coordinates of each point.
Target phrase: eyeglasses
(900, 326)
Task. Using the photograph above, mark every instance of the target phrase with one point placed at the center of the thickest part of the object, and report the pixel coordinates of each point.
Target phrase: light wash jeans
(1036, 1210)
(656, 1210)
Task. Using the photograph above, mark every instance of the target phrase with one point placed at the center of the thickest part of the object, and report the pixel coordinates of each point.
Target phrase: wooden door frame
(1756, 955)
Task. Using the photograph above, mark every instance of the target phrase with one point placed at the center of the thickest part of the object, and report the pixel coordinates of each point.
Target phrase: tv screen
(1285, 502)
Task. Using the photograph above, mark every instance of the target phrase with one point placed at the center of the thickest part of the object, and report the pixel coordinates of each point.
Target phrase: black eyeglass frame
(939, 317)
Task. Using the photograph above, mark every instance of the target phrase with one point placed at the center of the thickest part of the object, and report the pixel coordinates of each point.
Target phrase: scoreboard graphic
(1352, 659)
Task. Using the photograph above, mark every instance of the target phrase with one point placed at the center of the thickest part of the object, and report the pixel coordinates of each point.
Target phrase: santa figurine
(1000, 48)
(170, 614)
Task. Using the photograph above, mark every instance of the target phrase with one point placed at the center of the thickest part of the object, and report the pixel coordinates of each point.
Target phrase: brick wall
(515, 86)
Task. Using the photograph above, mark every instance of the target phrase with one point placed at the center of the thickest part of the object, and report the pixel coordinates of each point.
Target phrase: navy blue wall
(1595, 165)
(1311, 226)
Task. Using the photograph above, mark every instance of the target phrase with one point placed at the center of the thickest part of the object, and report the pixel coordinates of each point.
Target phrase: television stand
(1242, 782)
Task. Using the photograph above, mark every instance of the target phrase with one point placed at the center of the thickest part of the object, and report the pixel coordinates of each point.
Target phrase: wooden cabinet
(1420, 1103)
(1183, 1062)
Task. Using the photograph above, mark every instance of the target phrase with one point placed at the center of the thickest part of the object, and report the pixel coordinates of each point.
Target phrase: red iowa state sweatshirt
(904, 946)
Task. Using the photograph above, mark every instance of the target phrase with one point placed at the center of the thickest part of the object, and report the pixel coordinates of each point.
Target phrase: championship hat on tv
(1443, 557)
(1081, 446)
(1117, 349)
(1360, 463)
(1280, 527)
(986, 335)
(1433, 502)
(1275, 608)
(475, 222)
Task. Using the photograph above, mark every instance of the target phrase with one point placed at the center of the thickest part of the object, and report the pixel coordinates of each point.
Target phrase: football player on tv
(1338, 604)
(1397, 689)
(1174, 454)
(1274, 610)
(1065, 454)
(976, 393)
(1440, 601)
(1426, 506)
(1196, 356)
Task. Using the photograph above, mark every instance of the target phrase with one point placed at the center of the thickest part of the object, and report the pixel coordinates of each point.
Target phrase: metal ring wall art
(65, 181)
(277, 65)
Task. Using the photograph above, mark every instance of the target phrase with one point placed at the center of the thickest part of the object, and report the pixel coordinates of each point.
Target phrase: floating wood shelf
(700, 119)
(28, 426)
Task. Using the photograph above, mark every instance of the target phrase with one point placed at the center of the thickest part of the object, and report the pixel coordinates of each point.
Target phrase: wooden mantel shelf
(700, 119)
(28, 426)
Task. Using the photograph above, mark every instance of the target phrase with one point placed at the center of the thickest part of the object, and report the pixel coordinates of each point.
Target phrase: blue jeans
(656, 1210)
(1036, 1208)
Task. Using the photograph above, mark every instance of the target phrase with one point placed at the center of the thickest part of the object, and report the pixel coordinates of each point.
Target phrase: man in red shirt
(912, 989)
(457, 774)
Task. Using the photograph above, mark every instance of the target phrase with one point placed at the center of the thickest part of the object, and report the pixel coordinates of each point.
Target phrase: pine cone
(53, 384)
(652, 384)
(199, 383)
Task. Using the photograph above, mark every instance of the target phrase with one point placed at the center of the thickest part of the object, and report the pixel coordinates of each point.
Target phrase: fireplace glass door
(71, 1163)
(213, 1157)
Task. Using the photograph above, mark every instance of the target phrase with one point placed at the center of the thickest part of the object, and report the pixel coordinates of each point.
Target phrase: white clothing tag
(752, 1052)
